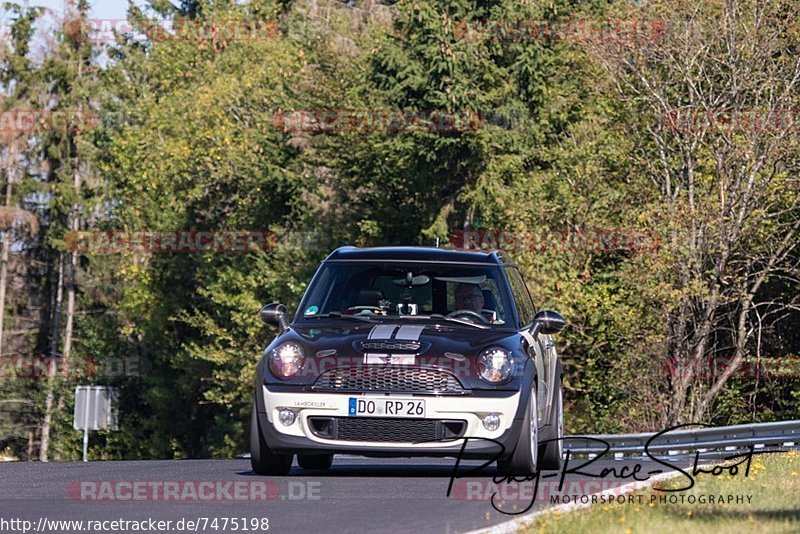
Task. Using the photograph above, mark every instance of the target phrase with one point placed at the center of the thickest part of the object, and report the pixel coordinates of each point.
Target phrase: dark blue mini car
(406, 351)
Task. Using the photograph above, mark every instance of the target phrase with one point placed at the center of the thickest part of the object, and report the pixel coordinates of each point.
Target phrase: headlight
(496, 365)
(286, 360)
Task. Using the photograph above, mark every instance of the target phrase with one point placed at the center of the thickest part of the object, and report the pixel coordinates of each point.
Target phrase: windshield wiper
(339, 315)
(441, 317)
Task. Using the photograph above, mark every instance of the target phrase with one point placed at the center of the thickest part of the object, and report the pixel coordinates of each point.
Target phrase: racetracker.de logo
(43, 366)
(748, 367)
(192, 491)
(486, 490)
(45, 120)
(161, 241)
(174, 490)
(733, 121)
(376, 120)
(586, 240)
(106, 30)
(373, 362)
(574, 30)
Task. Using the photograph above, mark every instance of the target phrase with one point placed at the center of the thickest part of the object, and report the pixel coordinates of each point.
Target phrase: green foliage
(196, 134)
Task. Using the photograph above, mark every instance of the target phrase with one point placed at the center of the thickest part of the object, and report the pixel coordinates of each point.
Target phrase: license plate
(371, 407)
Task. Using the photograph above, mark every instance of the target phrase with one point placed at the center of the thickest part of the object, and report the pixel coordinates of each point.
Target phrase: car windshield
(407, 290)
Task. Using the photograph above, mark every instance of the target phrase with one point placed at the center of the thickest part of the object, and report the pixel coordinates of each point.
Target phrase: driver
(469, 297)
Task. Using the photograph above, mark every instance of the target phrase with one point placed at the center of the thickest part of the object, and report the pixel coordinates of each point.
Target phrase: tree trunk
(73, 266)
(6, 236)
(51, 370)
(74, 225)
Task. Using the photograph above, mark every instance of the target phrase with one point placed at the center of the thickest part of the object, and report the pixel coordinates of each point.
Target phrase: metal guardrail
(708, 441)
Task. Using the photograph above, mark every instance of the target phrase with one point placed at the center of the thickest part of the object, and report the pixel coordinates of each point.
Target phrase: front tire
(552, 453)
(524, 459)
(262, 459)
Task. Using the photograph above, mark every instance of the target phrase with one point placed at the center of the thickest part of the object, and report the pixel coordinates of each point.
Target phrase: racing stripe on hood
(382, 331)
(409, 332)
(389, 332)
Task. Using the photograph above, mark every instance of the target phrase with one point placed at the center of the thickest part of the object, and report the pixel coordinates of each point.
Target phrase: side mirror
(275, 315)
(548, 322)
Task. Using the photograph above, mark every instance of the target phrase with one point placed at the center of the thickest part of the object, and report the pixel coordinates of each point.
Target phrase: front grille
(387, 430)
(388, 379)
(412, 430)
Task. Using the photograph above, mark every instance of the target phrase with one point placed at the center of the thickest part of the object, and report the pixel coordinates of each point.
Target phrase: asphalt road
(356, 495)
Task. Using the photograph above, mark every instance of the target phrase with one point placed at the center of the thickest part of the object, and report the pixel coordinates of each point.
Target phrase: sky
(101, 9)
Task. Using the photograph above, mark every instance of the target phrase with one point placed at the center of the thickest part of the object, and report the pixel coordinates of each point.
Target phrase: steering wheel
(469, 315)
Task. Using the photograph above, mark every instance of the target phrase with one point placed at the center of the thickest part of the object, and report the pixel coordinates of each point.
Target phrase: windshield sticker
(313, 310)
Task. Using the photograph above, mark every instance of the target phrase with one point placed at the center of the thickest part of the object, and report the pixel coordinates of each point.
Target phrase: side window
(522, 298)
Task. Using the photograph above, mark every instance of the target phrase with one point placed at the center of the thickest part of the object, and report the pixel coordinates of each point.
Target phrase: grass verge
(773, 485)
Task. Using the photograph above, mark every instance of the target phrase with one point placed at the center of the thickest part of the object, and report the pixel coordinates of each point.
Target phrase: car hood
(435, 338)
(445, 347)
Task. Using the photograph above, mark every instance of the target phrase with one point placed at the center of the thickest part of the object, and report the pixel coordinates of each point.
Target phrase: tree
(19, 88)
(188, 144)
(67, 78)
(711, 104)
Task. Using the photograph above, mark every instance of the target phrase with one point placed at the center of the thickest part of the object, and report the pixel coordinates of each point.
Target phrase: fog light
(286, 417)
(491, 422)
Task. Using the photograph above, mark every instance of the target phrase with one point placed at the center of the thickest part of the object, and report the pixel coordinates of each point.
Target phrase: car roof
(419, 254)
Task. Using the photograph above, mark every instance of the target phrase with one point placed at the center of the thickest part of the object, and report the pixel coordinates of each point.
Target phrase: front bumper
(300, 438)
